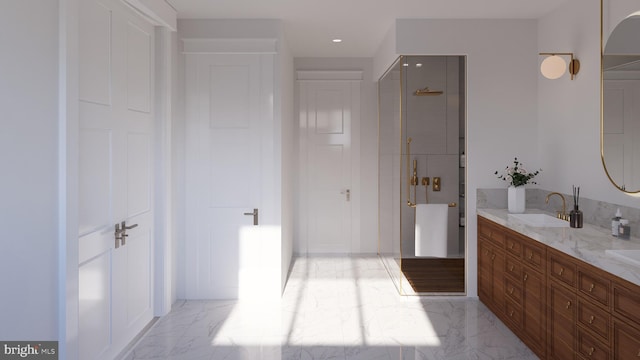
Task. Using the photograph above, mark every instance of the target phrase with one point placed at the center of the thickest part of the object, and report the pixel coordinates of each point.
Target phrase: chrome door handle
(121, 233)
(124, 226)
(255, 216)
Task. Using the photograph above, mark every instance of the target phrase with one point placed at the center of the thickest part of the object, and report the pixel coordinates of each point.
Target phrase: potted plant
(517, 177)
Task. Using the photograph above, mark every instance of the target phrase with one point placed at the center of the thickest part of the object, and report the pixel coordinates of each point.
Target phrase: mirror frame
(602, 47)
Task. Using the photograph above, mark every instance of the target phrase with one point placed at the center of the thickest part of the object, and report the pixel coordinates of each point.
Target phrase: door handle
(121, 233)
(118, 234)
(255, 216)
(346, 192)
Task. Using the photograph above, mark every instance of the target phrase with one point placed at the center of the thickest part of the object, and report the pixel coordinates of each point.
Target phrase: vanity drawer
(513, 290)
(594, 318)
(594, 286)
(514, 246)
(534, 255)
(591, 348)
(513, 267)
(491, 232)
(513, 313)
(562, 268)
(626, 302)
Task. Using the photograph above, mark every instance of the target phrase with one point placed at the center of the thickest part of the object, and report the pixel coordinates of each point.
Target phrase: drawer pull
(568, 304)
(638, 354)
(511, 291)
(493, 256)
(511, 268)
(591, 351)
(526, 276)
(561, 271)
(531, 255)
(511, 313)
(591, 319)
(591, 288)
(511, 246)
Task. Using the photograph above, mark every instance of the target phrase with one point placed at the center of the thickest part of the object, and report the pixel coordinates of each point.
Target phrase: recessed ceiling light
(418, 65)
(405, 64)
(337, 40)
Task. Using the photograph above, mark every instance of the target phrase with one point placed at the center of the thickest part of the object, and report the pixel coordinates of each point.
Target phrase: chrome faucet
(559, 214)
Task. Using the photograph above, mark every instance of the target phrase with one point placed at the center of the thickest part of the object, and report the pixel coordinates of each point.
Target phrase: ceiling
(310, 25)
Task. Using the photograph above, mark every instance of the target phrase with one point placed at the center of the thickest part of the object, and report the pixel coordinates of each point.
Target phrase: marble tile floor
(332, 308)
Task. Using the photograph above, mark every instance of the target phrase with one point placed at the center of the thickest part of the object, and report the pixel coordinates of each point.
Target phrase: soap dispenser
(624, 230)
(615, 223)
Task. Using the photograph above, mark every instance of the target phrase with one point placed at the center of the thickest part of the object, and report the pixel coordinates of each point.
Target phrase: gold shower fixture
(427, 92)
(411, 181)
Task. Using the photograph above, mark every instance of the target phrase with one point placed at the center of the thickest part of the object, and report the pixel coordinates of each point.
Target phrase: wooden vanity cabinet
(561, 322)
(560, 306)
(526, 289)
(511, 267)
(625, 309)
(561, 280)
(626, 340)
(491, 266)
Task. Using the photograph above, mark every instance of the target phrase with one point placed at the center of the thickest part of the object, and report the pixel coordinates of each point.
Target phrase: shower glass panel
(422, 174)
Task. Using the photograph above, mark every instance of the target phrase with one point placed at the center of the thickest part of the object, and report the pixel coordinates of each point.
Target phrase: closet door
(229, 107)
(327, 109)
(115, 177)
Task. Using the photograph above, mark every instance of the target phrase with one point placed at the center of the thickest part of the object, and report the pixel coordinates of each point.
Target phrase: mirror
(620, 127)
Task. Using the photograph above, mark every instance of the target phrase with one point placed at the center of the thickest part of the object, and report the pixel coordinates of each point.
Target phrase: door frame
(354, 77)
(164, 18)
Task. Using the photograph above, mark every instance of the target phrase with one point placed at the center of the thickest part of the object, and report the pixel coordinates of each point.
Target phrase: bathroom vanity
(560, 290)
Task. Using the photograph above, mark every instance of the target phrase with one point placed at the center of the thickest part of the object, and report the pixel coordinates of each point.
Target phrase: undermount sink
(540, 220)
(628, 255)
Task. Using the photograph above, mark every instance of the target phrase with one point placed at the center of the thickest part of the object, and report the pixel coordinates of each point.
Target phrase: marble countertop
(587, 244)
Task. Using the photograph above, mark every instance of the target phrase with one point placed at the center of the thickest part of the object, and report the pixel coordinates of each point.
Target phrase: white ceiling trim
(328, 75)
(160, 13)
(229, 46)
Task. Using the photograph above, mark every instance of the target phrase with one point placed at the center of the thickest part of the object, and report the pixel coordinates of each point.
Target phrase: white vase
(516, 199)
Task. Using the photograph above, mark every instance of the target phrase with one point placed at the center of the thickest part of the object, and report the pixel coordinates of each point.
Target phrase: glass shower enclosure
(421, 145)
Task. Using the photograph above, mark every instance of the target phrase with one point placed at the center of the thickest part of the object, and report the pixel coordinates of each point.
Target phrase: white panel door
(227, 96)
(326, 114)
(115, 166)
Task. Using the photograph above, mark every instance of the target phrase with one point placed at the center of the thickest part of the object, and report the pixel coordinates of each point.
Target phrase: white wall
(615, 11)
(386, 54)
(286, 141)
(28, 157)
(368, 164)
(501, 97)
(569, 111)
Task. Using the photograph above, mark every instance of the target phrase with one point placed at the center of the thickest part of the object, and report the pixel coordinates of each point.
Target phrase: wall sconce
(554, 66)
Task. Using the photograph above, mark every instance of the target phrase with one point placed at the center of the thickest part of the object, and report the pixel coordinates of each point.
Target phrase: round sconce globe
(553, 67)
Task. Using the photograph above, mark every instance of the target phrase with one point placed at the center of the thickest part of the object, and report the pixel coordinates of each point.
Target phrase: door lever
(118, 235)
(255, 216)
(121, 233)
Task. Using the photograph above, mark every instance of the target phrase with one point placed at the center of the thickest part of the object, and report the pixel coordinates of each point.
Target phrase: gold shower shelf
(412, 205)
(427, 92)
